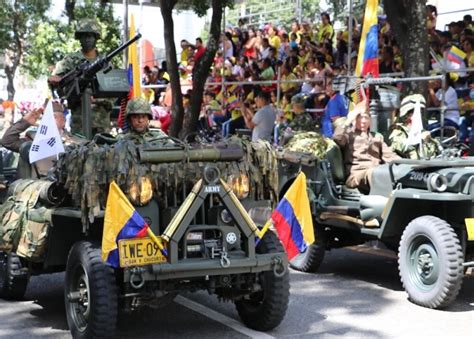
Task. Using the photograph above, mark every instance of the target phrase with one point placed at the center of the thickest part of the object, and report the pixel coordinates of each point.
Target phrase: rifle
(72, 84)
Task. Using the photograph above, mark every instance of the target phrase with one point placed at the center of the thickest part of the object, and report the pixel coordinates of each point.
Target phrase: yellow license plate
(139, 252)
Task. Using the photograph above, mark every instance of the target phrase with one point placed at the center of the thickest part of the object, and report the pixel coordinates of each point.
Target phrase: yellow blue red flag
(121, 221)
(456, 55)
(133, 75)
(293, 220)
(367, 60)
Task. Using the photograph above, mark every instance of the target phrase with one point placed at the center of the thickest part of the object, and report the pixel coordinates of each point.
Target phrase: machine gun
(72, 84)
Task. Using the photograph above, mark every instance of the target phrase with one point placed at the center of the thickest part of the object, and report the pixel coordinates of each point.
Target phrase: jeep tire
(311, 259)
(90, 293)
(430, 262)
(265, 309)
(13, 280)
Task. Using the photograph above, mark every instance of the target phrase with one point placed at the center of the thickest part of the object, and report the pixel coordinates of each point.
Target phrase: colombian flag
(133, 76)
(292, 218)
(456, 55)
(121, 221)
(367, 60)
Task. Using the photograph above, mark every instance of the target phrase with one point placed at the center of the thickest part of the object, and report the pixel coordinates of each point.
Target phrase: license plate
(139, 252)
(469, 228)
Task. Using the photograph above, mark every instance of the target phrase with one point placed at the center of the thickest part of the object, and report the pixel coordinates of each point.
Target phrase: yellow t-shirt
(275, 41)
(286, 86)
(325, 31)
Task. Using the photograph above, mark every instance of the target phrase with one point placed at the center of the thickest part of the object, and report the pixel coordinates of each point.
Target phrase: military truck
(207, 202)
(422, 209)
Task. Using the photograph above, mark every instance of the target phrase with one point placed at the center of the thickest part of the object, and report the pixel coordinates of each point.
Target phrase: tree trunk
(69, 9)
(10, 73)
(407, 19)
(177, 110)
(203, 66)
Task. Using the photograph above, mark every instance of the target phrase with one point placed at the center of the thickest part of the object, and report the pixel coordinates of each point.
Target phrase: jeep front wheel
(265, 309)
(91, 294)
(13, 279)
(312, 257)
(430, 262)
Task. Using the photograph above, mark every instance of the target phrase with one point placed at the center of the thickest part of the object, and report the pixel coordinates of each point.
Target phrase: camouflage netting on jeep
(25, 219)
(87, 170)
(310, 142)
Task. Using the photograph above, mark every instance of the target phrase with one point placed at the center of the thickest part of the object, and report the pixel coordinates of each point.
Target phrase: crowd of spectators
(304, 57)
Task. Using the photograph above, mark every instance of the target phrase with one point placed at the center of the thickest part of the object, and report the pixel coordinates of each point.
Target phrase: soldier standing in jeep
(362, 149)
(87, 32)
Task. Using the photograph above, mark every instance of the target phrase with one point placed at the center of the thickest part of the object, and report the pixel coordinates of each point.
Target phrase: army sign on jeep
(421, 208)
(203, 202)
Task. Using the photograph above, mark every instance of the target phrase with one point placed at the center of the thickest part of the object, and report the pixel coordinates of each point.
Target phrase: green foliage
(55, 38)
(278, 12)
(200, 7)
(18, 22)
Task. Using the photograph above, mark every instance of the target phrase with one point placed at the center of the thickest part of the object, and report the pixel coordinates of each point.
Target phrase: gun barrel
(119, 49)
(192, 155)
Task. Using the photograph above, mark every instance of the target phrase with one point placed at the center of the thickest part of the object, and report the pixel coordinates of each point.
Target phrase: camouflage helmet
(299, 98)
(87, 26)
(138, 106)
(408, 103)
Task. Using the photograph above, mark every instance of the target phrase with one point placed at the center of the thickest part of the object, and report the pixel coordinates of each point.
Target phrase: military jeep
(422, 209)
(207, 202)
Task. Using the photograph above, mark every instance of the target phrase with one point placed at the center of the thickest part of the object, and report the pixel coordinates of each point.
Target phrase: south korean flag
(47, 141)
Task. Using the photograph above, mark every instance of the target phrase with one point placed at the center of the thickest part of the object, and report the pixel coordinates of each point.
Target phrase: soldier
(400, 131)
(87, 32)
(302, 121)
(138, 114)
(12, 141)
(362, 149)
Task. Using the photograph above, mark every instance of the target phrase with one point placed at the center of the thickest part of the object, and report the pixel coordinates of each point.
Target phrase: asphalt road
(356, 294)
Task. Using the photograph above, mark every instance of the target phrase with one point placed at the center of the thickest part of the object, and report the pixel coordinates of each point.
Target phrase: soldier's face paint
(88, 41)
(139, 122)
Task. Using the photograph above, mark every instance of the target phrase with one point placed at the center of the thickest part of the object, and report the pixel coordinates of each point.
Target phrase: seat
(334, 156)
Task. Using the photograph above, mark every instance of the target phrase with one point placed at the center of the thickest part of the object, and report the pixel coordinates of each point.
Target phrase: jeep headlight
(239, 185)
(141, 193)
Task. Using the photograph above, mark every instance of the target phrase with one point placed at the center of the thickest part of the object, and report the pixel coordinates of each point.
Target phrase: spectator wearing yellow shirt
(326, 31)
(468, 47)
(288, 75)
(185, 50)
(273, 38)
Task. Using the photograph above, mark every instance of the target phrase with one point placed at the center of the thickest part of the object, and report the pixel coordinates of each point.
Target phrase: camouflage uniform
(400, 131)
(302, 123)
(101, 108)
(397, 140)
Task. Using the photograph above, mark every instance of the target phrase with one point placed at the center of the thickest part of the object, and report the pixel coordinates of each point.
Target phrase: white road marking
(219, 317)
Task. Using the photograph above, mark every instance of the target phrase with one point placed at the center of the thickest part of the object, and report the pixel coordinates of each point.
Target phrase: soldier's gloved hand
(361, 107)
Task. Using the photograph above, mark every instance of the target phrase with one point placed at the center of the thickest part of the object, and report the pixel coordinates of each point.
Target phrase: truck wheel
(265, 309)
(430, 262)
(311, 259)
(13, 280)
(90, 294)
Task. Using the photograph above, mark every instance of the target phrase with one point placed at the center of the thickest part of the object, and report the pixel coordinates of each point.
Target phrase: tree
(201, 68)
(408, 21)
(19, 20)
(55, 38)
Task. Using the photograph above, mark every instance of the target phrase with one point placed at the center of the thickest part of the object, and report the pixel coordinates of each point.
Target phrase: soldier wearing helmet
(400, 131)
(302, 121)
(87, 32)
(138, 115)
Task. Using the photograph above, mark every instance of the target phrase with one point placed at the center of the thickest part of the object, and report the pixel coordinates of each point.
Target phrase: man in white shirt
(263, 121)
